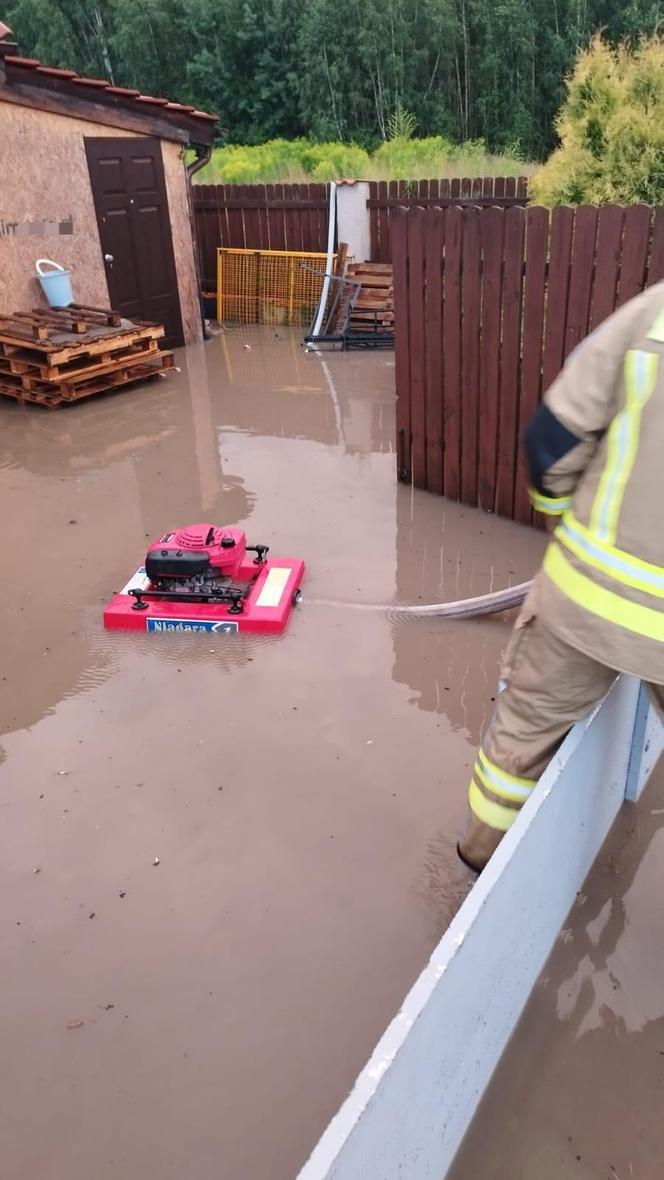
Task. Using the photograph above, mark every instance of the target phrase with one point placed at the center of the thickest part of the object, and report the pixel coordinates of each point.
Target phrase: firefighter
(595, 451)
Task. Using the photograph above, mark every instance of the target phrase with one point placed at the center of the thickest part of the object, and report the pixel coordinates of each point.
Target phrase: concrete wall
(45, 182)
(353, 224)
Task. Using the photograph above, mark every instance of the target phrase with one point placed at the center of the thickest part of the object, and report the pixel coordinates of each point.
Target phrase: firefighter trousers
(549, 687)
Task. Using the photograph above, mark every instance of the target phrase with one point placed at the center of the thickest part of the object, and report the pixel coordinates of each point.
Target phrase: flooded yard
(205, 1015)
(578, 1092)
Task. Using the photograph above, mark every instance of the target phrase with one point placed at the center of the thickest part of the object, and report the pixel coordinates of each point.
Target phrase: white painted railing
(412, 1104)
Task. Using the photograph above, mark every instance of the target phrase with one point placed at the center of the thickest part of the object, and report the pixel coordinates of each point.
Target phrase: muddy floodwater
(579, 1090)
(204, 1016)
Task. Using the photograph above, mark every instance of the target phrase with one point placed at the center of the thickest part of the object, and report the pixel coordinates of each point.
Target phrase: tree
(611, 127)
(65, 33)
(339, 69)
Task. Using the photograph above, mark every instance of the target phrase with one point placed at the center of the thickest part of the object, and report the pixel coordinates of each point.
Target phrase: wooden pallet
(56, 337)
(54, 400)
(22, 364)
(373, 308)
(55, 356)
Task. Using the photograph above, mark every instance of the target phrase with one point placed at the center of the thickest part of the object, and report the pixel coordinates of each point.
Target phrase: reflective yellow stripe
(513, 794)
(657, 330)
(615, 563)
(549, 505)
(494, 814)
(509, 786)
(623, 443)
(642, 620)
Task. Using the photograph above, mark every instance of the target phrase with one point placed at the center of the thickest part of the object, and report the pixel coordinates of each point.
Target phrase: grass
(300, 161)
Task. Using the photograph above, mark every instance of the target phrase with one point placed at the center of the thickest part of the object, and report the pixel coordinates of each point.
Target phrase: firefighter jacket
(595, 453)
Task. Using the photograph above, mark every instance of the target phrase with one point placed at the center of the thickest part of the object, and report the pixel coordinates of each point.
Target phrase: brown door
(127, 177)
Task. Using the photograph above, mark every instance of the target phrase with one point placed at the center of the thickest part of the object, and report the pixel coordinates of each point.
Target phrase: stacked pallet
(56, 356)
(373, 307)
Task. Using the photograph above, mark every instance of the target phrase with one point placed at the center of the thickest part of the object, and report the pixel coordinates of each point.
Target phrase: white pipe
(331, 226)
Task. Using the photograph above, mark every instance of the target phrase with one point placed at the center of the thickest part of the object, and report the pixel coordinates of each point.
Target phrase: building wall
(45, 182)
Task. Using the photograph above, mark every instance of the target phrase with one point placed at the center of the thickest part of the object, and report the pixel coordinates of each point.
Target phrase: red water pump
(201, 578)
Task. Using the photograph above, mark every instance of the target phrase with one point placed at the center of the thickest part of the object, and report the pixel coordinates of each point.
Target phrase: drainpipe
(331, 227)
(203, 155)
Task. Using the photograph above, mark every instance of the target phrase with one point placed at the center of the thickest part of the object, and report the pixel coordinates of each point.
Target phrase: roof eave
(26, 84)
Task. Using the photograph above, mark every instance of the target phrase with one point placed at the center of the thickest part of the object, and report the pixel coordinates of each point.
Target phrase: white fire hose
(463, 608)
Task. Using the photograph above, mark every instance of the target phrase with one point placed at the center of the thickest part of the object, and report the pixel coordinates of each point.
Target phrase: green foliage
(611, 128)
(361, 72)
(401, 124)
(416, 158)
(280, 161)
(334, 161)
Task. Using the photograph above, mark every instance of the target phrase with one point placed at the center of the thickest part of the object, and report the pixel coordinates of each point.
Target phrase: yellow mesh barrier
(268, 286)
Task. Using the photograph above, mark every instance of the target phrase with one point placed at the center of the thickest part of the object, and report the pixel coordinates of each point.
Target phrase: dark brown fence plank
(318, 215)
(251, 219)
(417, 371)
(373, 223)
(236, 237)
(636, 237)
(278, 229)
(208, 237)
(305, 190)
(656, 263)
(470, 353)
(582, 264)
(560, 247)
(499, 187)
(435, 237)
(430, 193)
(537, 237)
(393, 191)
(520, 288)
(402, 341)
(383, 224)
(492, 229)
(452, 353)
(607, 263)
(295, 216)
(270, 193)
(510, 360)
(510, 186)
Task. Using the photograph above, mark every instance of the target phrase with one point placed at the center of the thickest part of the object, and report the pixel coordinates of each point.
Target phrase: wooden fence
(258, 217)
(488, 303)
(384, 196)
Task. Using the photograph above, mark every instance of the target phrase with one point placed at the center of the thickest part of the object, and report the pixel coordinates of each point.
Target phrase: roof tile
(55, 73)
(129, 94)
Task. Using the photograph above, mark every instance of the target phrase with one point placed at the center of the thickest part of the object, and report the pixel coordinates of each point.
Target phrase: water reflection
(444, 552)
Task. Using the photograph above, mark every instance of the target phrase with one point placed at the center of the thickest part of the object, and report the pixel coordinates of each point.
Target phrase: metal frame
(374, 338)
(291, 255)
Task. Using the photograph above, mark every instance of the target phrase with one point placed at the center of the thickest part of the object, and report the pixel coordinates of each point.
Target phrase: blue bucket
(55, 283)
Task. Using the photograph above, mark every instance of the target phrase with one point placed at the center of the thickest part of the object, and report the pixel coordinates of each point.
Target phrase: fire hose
(462, 608)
